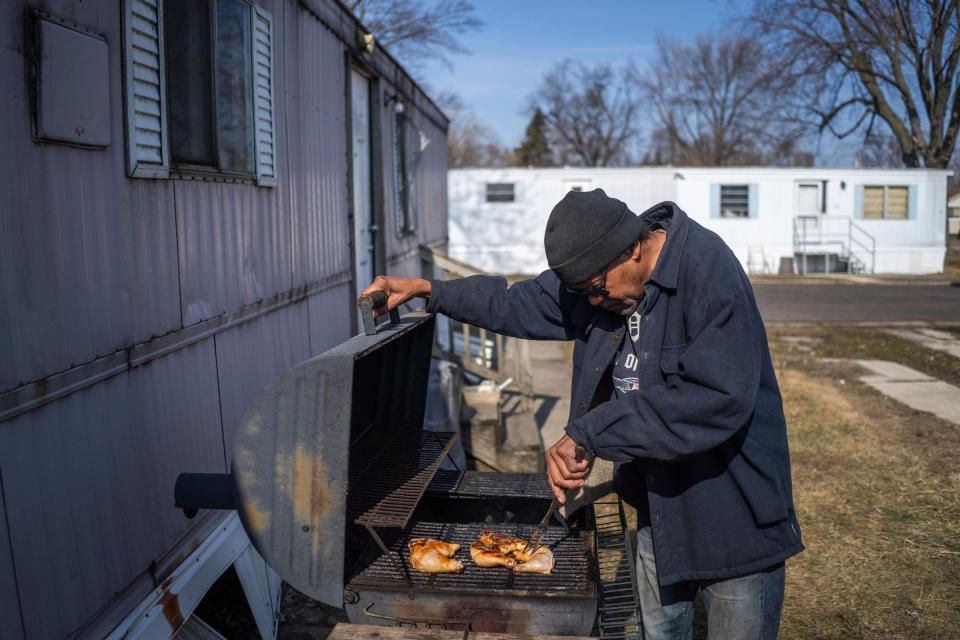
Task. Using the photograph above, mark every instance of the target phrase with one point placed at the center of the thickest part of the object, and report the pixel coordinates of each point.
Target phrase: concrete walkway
(913, 388)
(930, 338)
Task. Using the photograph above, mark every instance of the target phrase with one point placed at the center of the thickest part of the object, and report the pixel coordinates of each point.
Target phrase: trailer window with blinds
(199, 88)
(734, 201)
(502, 192)
(886, 202)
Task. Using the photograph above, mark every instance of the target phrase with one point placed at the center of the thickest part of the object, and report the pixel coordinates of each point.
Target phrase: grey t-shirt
(628, 478)
(625, 379)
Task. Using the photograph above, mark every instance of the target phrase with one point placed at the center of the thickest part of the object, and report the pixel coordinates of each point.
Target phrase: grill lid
(362, 400)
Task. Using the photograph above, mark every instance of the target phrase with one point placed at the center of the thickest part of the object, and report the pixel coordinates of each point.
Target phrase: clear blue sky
(522, 39)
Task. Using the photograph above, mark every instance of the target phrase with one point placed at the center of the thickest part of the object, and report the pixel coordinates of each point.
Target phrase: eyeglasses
(593, 290)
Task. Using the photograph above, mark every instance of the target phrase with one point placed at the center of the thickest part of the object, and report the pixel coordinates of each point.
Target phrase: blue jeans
(743, 608)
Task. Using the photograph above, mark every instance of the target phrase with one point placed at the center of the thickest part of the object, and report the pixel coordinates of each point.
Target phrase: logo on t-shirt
(624, 376)
(625, 385)
(633, 326)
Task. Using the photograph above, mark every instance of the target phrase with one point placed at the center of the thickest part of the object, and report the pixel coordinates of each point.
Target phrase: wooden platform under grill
(345, 631)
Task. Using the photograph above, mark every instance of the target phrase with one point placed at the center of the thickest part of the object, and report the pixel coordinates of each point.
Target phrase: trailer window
(502, 192)
(886, 202)
(408, 145)
(734, 201)
(210, 91)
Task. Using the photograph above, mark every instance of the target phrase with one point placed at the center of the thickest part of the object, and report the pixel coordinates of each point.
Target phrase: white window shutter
(147, 152)
(263, 97)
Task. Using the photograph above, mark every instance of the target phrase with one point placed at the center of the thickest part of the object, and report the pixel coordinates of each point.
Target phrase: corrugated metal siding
(234, 246)
(92, 262)
(88, 482)
(12, 626)
(315, 112)
(329, 313)
(253, 354)
(87, 257)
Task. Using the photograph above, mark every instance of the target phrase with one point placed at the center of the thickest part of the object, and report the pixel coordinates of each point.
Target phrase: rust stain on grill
(254, 425)
(481, 614)
(483, 617)
(256, 517)
(171, 610)
(310, 491)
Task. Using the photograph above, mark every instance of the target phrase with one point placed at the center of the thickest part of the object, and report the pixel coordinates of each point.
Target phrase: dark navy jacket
(705, 437)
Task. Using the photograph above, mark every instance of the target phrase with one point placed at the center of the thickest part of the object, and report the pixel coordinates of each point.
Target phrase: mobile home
(776, 220)
(193, 193)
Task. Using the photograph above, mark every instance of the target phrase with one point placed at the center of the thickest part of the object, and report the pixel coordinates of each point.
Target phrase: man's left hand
(566, 466)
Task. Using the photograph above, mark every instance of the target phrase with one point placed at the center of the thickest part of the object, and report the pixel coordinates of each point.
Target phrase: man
(672, 380)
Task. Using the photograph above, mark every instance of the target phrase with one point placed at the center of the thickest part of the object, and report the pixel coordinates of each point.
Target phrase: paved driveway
(841, 303)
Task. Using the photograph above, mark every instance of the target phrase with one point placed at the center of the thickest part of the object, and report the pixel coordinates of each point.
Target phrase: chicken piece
(540, 561)
(524, 554)
(506, 543)
(428, 558)
(446, 549)
(488, 555)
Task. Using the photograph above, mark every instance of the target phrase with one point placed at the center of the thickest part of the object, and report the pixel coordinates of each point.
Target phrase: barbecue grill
(333, 474)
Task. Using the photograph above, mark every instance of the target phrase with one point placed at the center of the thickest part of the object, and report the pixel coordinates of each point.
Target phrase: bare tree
(416, 30)
(590, 111)
(470, 143)
(862, 62)
(717, 102)
(879, 150)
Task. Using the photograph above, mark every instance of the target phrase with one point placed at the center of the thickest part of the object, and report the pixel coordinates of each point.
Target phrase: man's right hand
(398, 290)
(566, 467)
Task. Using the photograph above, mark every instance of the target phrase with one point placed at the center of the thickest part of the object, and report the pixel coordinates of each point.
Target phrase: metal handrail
(853, 242)
(872, 249)
(487, 361)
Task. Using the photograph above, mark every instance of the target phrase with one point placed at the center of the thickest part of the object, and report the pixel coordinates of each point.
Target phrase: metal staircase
(832, 244)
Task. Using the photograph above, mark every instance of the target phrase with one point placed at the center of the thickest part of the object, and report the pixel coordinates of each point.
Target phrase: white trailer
(776, 220)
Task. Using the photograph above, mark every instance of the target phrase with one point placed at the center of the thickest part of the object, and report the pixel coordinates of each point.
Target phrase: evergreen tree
(535, 150)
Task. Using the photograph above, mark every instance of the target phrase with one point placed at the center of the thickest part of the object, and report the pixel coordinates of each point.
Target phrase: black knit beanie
(586, 231)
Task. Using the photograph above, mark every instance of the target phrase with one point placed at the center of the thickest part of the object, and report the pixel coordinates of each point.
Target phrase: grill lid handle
(373, 301)
(195, 491)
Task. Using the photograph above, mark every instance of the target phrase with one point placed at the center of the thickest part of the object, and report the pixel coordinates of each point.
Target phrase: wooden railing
(479, 351)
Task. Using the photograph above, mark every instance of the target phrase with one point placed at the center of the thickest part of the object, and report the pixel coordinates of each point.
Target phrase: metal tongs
(537, 536)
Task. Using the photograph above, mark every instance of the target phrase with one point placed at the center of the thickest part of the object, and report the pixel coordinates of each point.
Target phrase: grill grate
(619, 601)
(573, 574)
(386, 485)
(490, 485)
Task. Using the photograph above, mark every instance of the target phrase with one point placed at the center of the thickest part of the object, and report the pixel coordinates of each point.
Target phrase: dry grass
(877, 489)
(854, 342)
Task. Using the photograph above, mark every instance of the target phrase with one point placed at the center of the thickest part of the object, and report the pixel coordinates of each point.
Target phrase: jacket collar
(677, 226)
